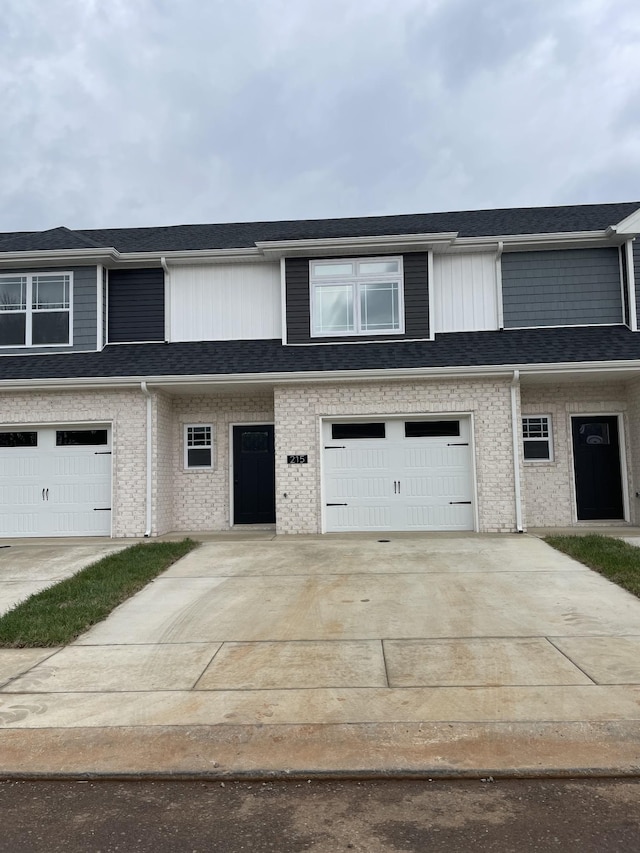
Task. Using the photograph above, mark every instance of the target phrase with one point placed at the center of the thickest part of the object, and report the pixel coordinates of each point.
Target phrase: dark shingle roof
(235, 358)
(470, 223)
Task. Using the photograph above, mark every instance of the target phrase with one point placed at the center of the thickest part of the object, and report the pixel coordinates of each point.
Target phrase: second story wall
(136, 305)
(81, 308)
(565, 287)
(221, 302)
(465, 292)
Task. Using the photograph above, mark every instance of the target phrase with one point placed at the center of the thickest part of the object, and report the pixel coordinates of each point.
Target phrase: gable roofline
(457, 230)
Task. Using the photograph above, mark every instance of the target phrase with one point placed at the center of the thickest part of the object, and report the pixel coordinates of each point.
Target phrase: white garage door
(398, 475)
(55, 481)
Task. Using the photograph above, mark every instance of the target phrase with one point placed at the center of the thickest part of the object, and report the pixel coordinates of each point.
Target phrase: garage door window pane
(18, 439)
(358, 430)
(81, 437)
(431, 429)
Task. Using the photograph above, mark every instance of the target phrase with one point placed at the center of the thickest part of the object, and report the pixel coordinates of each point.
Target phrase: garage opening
(398, 474)
(55, 481)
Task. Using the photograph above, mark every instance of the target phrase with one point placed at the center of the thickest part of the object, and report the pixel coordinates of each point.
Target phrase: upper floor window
(359, 296)
(35, 309)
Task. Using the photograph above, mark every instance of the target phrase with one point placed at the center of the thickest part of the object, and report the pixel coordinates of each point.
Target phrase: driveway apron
(353, 654)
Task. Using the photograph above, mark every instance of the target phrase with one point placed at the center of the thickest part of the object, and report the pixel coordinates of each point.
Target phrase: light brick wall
(549, 486)
(163, 452)
(127, 411)
(200, 499)
(298, 409)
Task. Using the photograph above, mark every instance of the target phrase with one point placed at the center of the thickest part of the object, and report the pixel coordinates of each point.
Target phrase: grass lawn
(59, 614)
(616, 560)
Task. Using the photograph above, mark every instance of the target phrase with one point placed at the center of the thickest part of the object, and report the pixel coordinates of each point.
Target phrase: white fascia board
(562, 239)
(195, 256)
(353, 245)
(327, 376)
(59, 257)
(629, 226)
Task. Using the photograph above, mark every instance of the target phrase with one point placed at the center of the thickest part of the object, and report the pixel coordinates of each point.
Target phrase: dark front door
(254, 497)
(596, 457)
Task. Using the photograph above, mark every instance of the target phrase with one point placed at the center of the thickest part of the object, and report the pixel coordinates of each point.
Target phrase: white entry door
(400, 474)
(55, 481)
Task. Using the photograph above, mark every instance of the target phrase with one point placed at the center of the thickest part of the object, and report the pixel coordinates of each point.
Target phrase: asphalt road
(321, 817)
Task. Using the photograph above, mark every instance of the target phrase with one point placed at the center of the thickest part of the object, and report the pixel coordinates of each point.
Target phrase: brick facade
(298, 409)
(549, 486)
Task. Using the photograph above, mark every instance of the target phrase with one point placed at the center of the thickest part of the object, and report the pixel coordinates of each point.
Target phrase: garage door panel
(401, 482)
(47, 490)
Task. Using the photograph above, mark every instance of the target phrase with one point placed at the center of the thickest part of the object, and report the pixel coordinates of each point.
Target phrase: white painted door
(55, 481)
(401, 474)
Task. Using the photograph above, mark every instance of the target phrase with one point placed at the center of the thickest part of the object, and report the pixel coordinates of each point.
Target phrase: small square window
(198, 446)
(537, 438)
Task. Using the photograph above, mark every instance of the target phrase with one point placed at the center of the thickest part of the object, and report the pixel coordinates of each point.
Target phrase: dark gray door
(596, 459)
(254, 498)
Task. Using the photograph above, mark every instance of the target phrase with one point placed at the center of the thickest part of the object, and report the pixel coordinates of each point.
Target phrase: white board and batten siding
(222, 302)
(399, 482)
(465, 292)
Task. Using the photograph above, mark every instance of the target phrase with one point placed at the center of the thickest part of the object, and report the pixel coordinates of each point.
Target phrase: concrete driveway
(343, 654)
(30, 565)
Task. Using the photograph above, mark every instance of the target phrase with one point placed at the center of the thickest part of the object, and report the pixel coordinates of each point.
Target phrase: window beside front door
(198, 447)
(537, 438)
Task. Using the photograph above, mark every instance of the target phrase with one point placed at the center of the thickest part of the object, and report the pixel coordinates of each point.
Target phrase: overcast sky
(151, 112)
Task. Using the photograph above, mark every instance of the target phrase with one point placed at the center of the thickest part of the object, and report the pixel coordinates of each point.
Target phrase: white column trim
(99, 315)
(431, 287)
(631, 286)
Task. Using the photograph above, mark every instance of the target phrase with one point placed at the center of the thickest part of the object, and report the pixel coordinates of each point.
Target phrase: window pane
(594, 433)
(358, 430)
(18, 439)
(13, 294)
(431, 429)
(50, 327)
(81, 437)
(378, 267)
(199, 457)
(12, 329)
(333, 308)
(254, 442)
(50, 291)
(199, 436)
(536, 450)
(321, 270)
(379, 306)
(535, 427)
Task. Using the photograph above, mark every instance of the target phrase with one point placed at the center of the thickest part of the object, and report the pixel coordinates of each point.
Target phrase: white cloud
(142, 112)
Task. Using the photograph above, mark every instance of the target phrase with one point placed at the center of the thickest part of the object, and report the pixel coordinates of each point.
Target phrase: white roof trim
(350, 245)
(629, 225)
(278, 378)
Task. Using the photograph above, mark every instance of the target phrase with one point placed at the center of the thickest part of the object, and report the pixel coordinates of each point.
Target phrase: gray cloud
(151, 112)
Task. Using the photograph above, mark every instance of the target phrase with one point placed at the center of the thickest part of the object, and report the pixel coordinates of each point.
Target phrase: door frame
(624, 471)
(233, 424)
(64, 424)
(408, 416)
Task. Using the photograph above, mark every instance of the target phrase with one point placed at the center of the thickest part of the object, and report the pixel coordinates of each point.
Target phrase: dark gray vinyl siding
(567, 287)
(416, 302)
(85, 312)
(136, 305)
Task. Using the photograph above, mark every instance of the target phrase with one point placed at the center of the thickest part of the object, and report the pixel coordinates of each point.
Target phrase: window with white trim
(537, 438)
(356, 296)
(198, 446)
(35, 309)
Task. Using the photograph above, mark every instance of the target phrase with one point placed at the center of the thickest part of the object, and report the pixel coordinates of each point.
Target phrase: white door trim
(624, 471)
